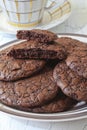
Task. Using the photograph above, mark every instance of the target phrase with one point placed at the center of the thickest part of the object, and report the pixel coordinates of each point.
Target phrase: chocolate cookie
(13, 69)
(70, 83)
(77, 61)
(58, 104)
(42, 36)
(71, 44)
(30, 92)
(32, 51)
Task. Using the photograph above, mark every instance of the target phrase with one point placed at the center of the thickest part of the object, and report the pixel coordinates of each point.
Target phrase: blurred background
(77, 22)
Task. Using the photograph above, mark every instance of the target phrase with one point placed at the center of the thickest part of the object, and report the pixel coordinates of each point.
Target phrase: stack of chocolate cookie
(33, 73)
(72, 78)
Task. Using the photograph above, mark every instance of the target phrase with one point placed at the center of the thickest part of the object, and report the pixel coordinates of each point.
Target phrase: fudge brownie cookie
(58, 104)
(70, 83)
(71, 44)
(30, 92)
(13, 69)
(77, 61)
(42, 36)
(55, 51)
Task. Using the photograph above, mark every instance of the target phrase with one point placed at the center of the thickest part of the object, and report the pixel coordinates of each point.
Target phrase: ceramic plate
(78, 112)
(50, 19)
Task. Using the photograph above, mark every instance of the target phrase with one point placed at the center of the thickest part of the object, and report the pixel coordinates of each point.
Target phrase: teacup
(24, 13)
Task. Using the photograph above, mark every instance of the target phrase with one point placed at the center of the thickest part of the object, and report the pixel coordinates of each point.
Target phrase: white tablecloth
(77, 23)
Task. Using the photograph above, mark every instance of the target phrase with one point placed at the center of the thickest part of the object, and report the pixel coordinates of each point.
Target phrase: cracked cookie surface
(58, 104)
(71, 44)
(30, 92)
(70, 83)
(42, 36)
(77, 61)
(13, 69)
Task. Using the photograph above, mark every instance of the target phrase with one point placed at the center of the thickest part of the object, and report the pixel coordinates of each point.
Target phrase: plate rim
(43, 118)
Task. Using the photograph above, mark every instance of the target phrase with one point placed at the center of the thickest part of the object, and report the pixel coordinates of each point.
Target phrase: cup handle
(56, 9)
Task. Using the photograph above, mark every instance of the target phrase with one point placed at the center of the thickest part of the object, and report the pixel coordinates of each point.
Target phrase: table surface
(77, 23)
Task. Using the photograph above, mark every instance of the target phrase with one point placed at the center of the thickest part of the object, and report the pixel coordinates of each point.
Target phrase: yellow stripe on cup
(58, 16)
(60, 8)
(18, 15)
(16, 3)
(60, 11)
(30, 14)
(66, 4)
(24, 25)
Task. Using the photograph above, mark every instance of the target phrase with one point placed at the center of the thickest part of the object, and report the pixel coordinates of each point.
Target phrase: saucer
(50, 19)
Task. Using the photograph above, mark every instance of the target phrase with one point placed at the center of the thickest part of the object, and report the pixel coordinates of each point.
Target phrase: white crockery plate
(78, 112)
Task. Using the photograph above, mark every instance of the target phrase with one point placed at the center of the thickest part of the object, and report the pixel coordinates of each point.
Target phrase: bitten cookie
(42, 36)
(13, 69)
(70, 83)
(32, 51)
(29, 92)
